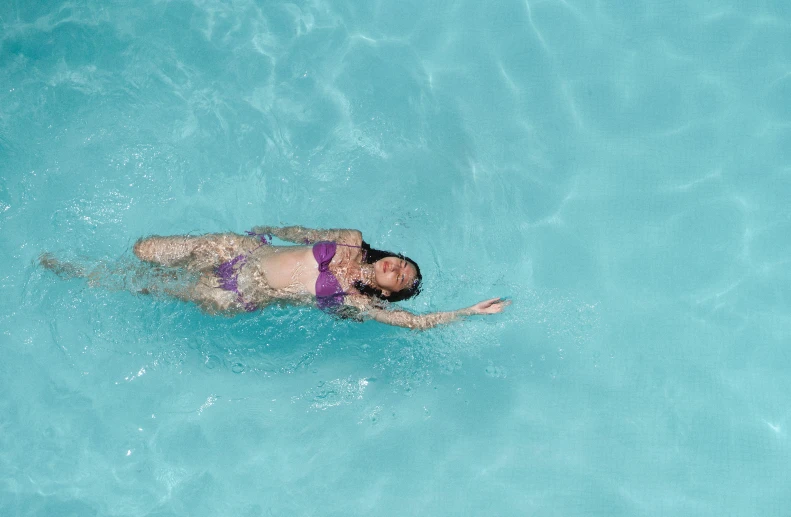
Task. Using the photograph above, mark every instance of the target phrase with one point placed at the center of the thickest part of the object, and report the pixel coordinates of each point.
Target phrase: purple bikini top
(329, 293)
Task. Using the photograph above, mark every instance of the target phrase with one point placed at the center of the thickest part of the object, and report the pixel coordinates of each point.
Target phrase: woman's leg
(208, 297)
(212, 299)
(198, 253)
(122, 275)
(188, 272)
(62, 269)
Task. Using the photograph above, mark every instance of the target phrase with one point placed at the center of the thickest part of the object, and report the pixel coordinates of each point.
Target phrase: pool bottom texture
(619, 171)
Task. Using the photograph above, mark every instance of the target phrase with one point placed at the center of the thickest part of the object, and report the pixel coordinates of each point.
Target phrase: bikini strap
(265, 238)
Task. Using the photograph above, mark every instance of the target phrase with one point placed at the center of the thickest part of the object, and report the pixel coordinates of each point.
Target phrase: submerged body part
(333, 269)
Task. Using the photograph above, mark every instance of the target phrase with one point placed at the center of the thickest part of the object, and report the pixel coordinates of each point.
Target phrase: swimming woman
(333, 269)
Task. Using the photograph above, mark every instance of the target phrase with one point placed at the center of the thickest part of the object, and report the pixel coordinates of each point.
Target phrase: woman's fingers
(491, 306)
(495, 307)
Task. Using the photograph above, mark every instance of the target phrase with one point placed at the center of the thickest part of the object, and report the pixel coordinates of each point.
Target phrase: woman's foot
(62, 269)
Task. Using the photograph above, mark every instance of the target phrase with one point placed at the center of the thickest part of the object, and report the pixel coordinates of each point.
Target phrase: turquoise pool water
(619, 169)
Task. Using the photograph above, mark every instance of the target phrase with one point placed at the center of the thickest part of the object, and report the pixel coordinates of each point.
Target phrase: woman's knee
(139, 249)
(145, 249)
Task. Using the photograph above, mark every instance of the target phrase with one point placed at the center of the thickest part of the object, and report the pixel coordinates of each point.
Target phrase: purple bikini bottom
(228, 273)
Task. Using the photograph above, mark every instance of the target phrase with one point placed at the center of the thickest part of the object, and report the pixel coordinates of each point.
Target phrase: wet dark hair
(371, 255)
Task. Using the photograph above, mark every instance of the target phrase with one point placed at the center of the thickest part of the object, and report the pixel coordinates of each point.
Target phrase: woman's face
(393, 274)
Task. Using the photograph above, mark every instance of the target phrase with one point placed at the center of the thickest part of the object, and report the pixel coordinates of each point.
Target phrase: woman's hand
(491, 306)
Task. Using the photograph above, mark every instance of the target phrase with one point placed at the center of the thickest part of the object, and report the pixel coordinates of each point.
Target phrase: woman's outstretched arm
(302, 235)
(402, 318)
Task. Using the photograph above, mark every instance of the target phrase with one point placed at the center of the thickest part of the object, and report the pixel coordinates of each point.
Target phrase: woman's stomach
(291, 269)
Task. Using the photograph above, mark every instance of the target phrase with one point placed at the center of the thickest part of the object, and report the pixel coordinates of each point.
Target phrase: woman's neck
(368, 275)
